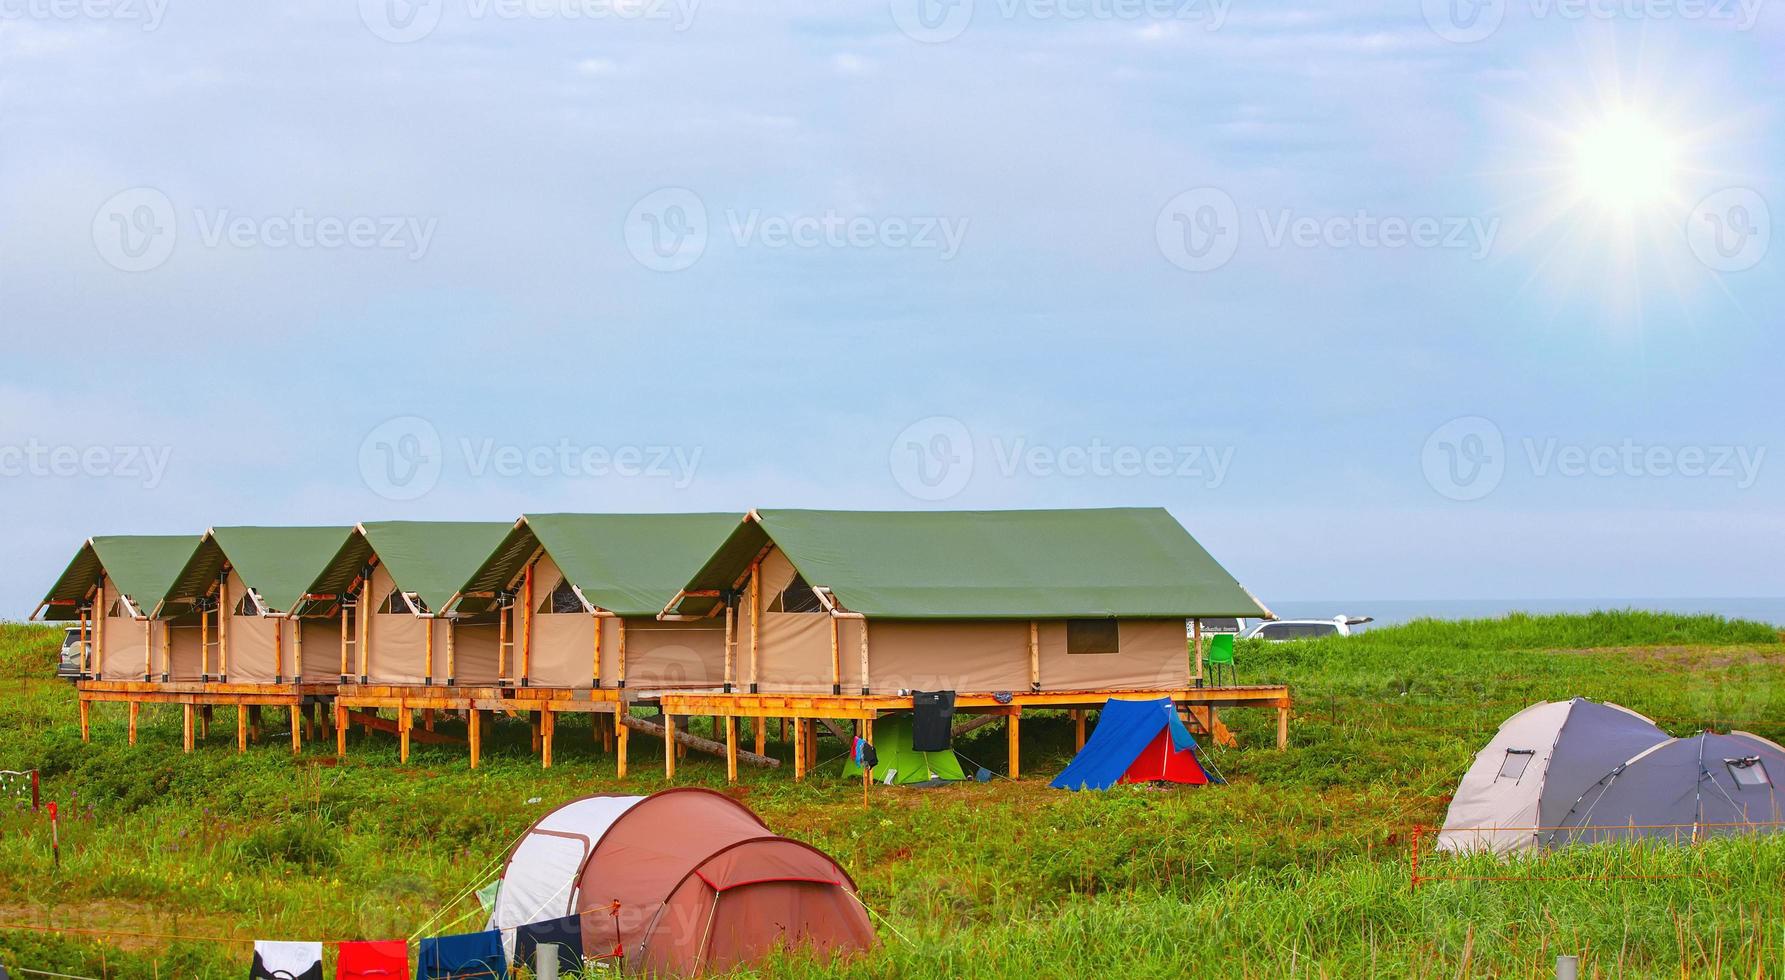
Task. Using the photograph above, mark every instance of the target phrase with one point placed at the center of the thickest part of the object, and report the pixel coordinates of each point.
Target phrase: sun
(1624, 162)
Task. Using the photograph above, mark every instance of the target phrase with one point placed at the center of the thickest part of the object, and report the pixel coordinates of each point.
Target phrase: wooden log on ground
(699, 744)
(393, 726)
(977, 721)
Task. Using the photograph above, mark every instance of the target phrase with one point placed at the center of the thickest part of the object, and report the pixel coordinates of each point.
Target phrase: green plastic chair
(1220, 654)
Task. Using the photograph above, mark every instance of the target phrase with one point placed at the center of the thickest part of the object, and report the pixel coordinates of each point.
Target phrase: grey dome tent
(1535, 768)
(1685, 789)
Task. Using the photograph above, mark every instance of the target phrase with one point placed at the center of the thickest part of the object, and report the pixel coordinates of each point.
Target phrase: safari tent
(1535, 768)
(682, 882)
(886, 602)
(241, 610)
(112, 588)
(582, 592)
(398, 575)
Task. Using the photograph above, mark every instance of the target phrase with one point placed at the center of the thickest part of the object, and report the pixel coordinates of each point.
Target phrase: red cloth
(1159, 763)
(387, 960)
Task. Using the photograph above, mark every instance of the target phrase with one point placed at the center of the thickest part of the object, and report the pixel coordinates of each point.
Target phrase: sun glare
(1625, 163)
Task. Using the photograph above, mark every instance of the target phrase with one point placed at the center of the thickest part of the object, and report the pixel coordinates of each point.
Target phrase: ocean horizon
(1388, 612)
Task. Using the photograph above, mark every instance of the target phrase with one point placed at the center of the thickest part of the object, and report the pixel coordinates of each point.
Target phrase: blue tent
(1125, 731)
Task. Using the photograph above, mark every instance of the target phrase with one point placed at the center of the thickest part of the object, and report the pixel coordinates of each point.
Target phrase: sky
(1422, 299)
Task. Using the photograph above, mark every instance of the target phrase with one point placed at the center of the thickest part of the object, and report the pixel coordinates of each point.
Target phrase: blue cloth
(566, 932)
(462, 957)
(1124, 730)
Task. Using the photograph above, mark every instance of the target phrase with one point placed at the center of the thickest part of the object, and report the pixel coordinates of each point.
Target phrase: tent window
(1513, 766)
(247, 606)
(397, 604)
(1748, 772)
(1093, 636)
(562, 599)
(798, 597)
(119, 610)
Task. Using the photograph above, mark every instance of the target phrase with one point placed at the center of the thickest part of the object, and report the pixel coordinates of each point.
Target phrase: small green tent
(892, 743)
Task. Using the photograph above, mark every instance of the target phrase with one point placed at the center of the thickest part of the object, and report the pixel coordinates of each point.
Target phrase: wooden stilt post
(762, 735)
(86, 720)
(606, 724)
(1282, 728)
(297, 729)
(241, 728)
(548, 726)
(254, 722)
(799, 749)
(620, 736)
(427, 718)
(533, 726)
(204, 722)
(405, 722)
(186, 731)
(669, 746)
(133, 710)
(340, 730)
(783, 727)
(474, 735)
(1078, 729)
(731, 748)
(1014, 725)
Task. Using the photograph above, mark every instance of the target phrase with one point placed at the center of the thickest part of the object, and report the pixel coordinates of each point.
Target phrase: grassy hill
(1299, 867)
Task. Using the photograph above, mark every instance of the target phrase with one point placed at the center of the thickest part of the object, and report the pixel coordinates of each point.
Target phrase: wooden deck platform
(360, 704)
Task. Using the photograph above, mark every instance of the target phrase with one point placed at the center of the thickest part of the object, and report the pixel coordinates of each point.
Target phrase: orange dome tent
(683, 882)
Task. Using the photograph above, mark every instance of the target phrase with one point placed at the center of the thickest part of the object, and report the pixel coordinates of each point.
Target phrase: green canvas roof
(1015, 564)
(278, 563)
(627, 564)
(141, 566)
(432, 559)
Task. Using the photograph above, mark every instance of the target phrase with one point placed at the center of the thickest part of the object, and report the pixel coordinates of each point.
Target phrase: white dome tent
(1535, 768)
(539, 880)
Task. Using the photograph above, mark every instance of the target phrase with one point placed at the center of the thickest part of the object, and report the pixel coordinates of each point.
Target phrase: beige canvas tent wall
(113, 588)
(983, 602)
(241, 611)
(397, 574)
(581, 594)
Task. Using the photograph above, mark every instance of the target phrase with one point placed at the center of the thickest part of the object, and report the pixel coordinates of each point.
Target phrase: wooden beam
(697, 743)
(297, 650)
(344, 633)
(223, 611)
(148, 649)
(864, 655)
(1013, 726)
(731, 645)
(527, 624)
(595, 671)
(1196, 642)
(278, 651)
(427, 655)
(731, 748)
(971, 724)
(836, 658)
(1034, 655)
(502, 615)
(621, 626)
(367, 612)
(167, 651)
(452, 654)
(755, 620)
(621, 730)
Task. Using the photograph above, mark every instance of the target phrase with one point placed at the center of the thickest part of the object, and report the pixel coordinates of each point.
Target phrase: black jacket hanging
(932, 720)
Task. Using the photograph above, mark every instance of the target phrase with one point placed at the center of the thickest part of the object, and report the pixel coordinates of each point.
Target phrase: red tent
(1159, 763)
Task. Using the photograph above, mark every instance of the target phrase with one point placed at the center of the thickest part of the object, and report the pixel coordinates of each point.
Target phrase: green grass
(1299, 867)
